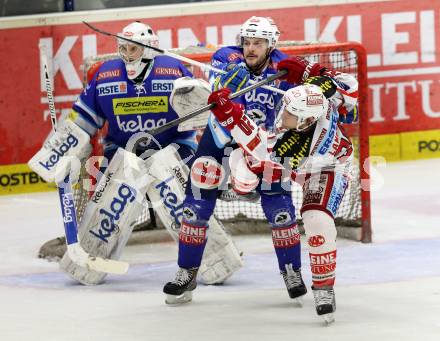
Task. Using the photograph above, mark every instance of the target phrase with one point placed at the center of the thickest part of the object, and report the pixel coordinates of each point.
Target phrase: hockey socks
(192, 241)
(286, 241)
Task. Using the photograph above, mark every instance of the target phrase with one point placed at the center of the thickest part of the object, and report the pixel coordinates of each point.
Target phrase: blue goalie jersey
(131, 108)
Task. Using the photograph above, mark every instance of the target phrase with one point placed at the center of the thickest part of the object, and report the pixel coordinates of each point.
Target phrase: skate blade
(328, 319)
(179, 299)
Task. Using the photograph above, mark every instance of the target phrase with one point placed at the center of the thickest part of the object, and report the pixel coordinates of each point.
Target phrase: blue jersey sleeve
(86, 112)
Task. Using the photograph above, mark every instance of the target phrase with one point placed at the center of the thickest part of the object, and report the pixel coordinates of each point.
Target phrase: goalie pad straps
(169, 176)
(51, 163)
(110, 214)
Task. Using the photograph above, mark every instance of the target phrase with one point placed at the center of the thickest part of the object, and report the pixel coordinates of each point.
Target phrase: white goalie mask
(307, 102)
(260, 27)
(135, 56)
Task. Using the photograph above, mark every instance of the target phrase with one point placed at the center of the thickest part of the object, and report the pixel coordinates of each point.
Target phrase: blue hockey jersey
(260, 104)
(131, 108)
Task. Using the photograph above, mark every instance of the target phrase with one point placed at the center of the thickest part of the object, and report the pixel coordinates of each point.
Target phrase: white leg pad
(167, 191)
(221, 257)
(110, 215)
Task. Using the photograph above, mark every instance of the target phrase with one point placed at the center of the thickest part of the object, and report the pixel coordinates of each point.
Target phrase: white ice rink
(387, 290)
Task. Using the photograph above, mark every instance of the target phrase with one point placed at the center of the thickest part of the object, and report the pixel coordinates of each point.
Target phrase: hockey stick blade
(80, 257)
(107, 265)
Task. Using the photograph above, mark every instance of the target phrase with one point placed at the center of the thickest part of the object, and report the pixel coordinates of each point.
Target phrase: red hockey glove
(299, 69)
(227, 112)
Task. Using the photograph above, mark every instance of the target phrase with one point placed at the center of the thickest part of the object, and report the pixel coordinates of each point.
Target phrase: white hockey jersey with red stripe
(324, 146)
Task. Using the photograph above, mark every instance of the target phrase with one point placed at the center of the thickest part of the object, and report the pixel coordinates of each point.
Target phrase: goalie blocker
(188, 95)
(163, 177)
(61, 153)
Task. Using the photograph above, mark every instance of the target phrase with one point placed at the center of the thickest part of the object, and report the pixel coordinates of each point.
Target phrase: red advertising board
(401, 40)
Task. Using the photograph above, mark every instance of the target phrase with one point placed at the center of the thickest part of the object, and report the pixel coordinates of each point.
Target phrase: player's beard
(257, 65)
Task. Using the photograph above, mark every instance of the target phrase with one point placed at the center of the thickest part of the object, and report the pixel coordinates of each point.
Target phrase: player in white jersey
(311, 148)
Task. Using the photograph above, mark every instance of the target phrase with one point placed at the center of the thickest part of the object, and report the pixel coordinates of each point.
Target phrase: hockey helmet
(135, 56)
(260, 27)
(307, 102)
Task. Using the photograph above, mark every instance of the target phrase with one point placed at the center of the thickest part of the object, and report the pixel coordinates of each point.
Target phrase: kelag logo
(70, 142)
(171, 201)
(68, 207)
(110, 215)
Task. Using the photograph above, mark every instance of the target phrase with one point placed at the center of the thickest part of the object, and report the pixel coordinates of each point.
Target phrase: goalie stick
(176, 56)
(146, 137)
(74, 249)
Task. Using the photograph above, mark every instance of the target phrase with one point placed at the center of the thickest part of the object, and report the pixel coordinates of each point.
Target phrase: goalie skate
(294, 284)
(180, 289)
(230, 195)
(325, 303)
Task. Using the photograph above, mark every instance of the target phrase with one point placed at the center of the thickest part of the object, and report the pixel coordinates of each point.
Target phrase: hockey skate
(294, 283)
(325, 303)
(180, 289)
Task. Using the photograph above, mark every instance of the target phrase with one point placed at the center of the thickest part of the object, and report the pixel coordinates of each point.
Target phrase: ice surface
(387, 290)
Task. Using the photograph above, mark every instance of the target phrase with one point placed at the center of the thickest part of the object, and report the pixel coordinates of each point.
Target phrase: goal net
(353, 216)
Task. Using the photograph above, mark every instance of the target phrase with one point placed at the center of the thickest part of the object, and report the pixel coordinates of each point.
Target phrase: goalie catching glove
(188, 95)
(62, 153)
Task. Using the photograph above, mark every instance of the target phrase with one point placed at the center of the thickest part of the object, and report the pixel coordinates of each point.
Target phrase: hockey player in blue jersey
(133, 95)
(254, 59)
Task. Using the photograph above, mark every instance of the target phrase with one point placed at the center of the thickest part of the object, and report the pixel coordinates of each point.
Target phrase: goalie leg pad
(169, 176)
(221, 257)
(110, 214)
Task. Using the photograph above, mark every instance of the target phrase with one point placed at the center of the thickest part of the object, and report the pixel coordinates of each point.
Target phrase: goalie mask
(260, 27)
(136, 57)
(303, 106)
